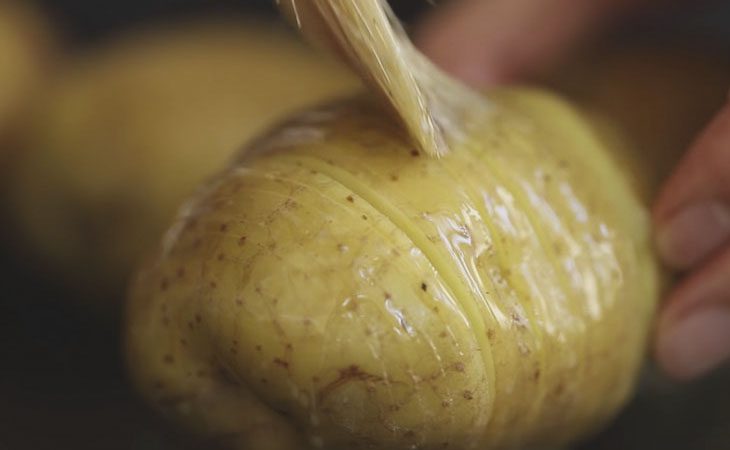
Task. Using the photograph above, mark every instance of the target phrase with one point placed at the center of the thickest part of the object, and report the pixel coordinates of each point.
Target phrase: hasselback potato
(339, 288)
(369, 297)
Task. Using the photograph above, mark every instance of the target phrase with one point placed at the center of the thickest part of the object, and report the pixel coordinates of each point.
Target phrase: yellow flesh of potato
(341, 290)
(129, 132)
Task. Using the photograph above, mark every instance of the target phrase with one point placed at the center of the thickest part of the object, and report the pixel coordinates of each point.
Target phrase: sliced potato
(341, 290)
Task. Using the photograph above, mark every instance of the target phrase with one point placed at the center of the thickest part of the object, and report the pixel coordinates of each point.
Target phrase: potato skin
(370, 297)
(128, 131)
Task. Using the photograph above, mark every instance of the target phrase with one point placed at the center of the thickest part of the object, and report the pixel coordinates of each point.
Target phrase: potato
(335, 288)
(129, 131)
(24, 55)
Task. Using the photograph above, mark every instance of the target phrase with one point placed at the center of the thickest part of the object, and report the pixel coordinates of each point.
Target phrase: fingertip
(691, 347)
(693, 234)
(693, 332)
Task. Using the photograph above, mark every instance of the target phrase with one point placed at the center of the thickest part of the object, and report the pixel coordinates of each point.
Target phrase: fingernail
(693, 234)
(697, 344)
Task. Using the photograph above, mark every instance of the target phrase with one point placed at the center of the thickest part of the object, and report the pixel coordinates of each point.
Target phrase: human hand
(491, 42)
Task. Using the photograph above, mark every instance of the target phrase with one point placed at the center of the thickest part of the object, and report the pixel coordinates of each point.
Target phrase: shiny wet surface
(63, 387)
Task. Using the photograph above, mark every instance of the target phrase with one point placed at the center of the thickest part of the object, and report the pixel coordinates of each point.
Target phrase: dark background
(61, 376)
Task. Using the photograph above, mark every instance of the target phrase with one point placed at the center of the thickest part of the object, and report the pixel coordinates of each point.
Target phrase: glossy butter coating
(341, 290)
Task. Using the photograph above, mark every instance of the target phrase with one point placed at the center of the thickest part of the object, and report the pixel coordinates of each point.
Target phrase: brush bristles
(432, 107)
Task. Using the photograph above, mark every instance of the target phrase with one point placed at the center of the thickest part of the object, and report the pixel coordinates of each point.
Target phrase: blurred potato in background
(25, 56)
(129, 130)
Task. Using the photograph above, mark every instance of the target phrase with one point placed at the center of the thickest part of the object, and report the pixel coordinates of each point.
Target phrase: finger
(693, 336)
(487, 42)
(692, 212)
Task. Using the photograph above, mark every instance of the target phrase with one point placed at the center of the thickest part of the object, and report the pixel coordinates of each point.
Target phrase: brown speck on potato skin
(443, 334)
(168, 359)
(415, 153)
(350, 199)
(258, 347)
(468, 395)
(198, 318)
(242, 240)
(221, 257)
(223, 228)
(181, 272)
(364, 217)
(490, 334)
(559, 389)
(347, 375)
(459, 366)
(281, 363)
(164, 284)
(394, 177)
(536, 375)
(424, 287)
(445, 403)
